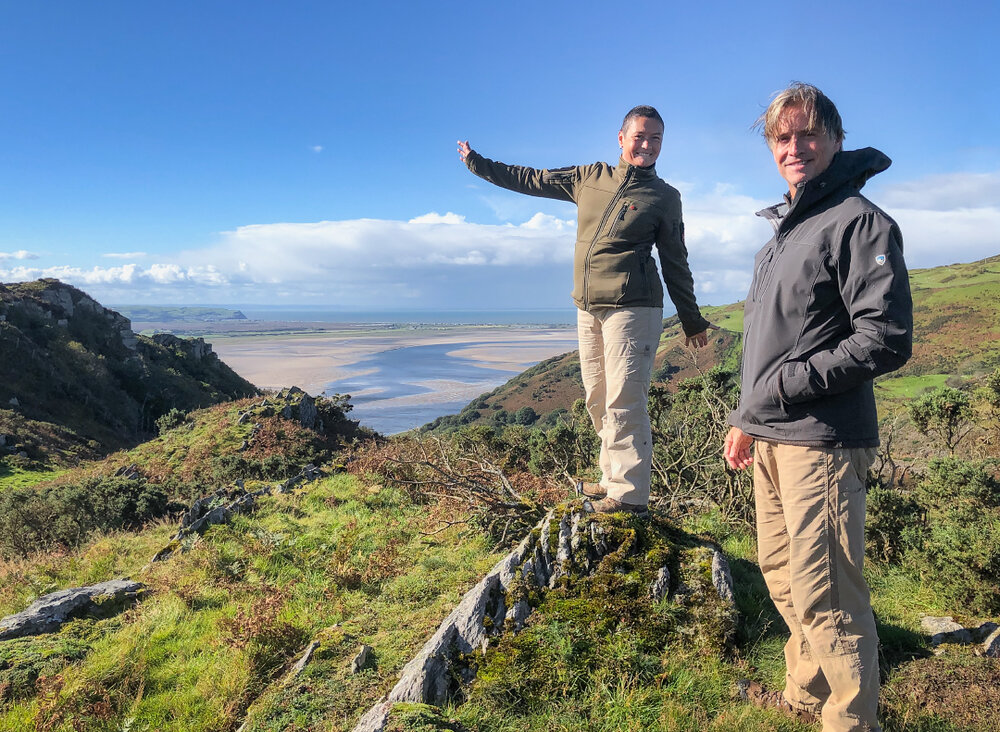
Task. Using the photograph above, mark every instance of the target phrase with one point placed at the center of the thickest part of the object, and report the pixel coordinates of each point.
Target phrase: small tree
(987, 404)
(944, 412)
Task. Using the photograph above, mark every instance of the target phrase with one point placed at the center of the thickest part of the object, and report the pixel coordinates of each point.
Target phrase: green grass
(908, 387)
(225, 618)
(346, 563)
(15, 477)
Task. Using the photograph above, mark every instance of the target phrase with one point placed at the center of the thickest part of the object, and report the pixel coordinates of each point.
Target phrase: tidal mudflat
(399, 378)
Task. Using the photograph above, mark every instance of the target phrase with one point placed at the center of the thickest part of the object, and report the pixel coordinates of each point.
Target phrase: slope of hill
(956, 310)
(73, 364)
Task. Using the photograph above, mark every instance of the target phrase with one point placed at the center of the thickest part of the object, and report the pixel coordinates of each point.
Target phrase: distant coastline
(401, 374)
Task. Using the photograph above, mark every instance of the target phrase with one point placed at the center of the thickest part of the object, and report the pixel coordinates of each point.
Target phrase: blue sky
(304, 152)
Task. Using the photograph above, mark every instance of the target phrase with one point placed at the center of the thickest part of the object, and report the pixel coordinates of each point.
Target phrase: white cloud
(124, 255)
(317, 148)
(946, 218)
(443, 260)
(20, 254)
(947, 192)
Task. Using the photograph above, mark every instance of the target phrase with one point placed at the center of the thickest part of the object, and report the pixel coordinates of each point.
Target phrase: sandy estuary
(398, 378)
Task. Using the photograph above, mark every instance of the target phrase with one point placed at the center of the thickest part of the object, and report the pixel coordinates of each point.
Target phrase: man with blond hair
(829, 309)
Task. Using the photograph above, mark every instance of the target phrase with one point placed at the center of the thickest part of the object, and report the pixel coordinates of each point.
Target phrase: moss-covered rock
(409, 717)
(580, 593)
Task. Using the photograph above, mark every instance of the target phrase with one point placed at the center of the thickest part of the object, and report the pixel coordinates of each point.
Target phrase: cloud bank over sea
(445, 261)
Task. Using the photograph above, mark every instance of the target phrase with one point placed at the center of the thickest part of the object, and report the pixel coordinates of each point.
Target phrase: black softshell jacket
(828, 311)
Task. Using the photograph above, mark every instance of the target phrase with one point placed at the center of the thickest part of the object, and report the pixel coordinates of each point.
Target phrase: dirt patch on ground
(956, 687)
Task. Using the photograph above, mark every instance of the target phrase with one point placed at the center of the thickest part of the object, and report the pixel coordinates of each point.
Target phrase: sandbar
(313, 360)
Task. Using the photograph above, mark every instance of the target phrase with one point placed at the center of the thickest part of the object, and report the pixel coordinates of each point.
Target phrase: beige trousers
(811, 546)
(617, 346)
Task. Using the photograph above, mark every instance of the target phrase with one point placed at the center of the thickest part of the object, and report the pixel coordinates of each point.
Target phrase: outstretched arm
(559, 184)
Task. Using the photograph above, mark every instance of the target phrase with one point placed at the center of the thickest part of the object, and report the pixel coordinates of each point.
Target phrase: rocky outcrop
(566, 546)
(75, 364)
(944, 629)
(221, 506)
(47, 614)
(194, 348)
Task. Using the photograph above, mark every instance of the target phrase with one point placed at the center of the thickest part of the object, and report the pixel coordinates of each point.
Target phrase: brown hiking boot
(610, 505)
(751, 691)
(590, 490)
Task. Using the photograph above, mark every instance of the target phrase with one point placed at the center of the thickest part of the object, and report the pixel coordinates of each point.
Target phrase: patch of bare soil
(956, 688)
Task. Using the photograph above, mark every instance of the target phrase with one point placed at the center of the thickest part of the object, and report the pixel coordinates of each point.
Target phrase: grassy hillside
(347, 561)
(75, 371)
(168, 314)
(380, 549)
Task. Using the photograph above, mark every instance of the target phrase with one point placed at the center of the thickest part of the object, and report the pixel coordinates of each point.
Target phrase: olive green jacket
(622, 212)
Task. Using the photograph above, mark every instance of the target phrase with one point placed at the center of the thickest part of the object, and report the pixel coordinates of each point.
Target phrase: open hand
(699, 340)
(463, 149)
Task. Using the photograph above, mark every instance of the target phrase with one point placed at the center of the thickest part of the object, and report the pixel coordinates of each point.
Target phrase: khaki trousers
(617, 346)
(811, 546)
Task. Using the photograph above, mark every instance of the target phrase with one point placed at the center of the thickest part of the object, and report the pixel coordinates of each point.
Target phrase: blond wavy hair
(821, 112)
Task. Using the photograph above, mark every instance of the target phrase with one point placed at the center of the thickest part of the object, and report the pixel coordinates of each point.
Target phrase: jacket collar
(849, 168)
(638, 173)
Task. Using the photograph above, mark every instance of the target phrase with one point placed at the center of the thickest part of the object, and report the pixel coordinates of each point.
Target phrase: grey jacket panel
(622, 213)
(828, 311)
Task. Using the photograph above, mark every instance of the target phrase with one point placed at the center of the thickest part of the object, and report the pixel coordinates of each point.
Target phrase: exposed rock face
(365, 659)
(944, 630)
(86, 371)
(47, 614)
(566, 545)
(194, 348)
(221, 506)
(991, 646)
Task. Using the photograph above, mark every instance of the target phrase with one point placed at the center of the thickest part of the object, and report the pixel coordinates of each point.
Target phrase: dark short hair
(643, 110)
(821, 112)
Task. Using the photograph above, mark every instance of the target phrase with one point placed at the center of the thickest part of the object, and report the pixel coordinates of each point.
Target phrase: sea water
(561, 316)
(386, 390)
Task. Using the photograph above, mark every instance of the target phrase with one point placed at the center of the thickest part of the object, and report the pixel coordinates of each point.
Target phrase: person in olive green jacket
(623, 212)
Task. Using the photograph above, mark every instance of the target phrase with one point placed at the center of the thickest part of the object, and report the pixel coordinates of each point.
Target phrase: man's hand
(736, 450)
(699, 340)
(463, 149)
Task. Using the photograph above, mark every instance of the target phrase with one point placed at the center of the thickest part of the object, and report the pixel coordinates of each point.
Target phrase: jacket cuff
(693, 327)
(793, 384)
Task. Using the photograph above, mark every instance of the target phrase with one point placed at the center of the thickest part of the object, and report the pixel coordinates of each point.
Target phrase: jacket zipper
(762, 271)
(618, 220)
(597, 234)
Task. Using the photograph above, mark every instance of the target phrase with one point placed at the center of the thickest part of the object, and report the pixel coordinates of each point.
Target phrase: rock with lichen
(603, 573)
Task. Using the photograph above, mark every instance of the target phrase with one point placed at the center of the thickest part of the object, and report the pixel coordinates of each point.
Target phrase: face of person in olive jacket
(641, 141)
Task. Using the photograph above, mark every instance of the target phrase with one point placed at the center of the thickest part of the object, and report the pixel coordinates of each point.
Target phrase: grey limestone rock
(991, 646)
(722, 578)
(944, 630)
(364, 659)
(429, 677)
(48, 613)
(303, 661)
(58, 297)
(661, 585)
(514, 620)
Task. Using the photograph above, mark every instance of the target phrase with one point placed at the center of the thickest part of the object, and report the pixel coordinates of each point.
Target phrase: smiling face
(640, 141)
(800, 151)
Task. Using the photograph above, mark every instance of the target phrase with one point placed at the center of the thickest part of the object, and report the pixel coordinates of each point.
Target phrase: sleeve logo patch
(880, 259)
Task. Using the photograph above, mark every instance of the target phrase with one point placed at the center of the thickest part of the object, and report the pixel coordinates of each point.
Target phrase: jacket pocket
(636, 289)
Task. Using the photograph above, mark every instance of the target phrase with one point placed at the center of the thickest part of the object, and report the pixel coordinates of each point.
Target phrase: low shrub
(32, 519)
